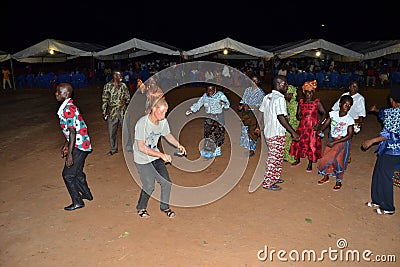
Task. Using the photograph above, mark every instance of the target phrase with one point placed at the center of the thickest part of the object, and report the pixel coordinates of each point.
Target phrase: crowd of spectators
(337, 75)
(328, 73)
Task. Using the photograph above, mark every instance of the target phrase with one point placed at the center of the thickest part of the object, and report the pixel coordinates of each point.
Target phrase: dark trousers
(149, 173)
(113, 125)
(75, 178)
(382, 182)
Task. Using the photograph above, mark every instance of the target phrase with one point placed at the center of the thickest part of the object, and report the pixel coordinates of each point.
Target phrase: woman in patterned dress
(310, 144)
(291, 104)
(214, 103)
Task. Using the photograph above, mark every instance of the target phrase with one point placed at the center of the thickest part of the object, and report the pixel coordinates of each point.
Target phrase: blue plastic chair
(359, 78)
(333, 80)
(30, 80)
(310, 77)
(300, 78)
(319, 76)
(394, 79)
(63, 78)
(290, 77)
(82, 80)
(21, 81)
(344, 80)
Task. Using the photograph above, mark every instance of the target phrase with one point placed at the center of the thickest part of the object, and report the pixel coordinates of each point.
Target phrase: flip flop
(372, 205)
(337, 187)
(295, 164)
(323, 181)
(384, 212)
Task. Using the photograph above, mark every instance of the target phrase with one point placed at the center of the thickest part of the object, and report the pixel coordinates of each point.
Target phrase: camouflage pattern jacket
(112, 97)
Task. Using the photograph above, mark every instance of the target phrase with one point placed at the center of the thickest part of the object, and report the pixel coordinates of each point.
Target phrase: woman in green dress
(291, 104)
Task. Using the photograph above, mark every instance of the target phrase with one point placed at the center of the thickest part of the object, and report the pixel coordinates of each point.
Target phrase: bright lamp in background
(318, 53)
(51, 51)
(225, 51)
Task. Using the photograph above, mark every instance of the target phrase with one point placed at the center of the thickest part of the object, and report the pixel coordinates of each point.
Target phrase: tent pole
(12, 73)
(92, 63)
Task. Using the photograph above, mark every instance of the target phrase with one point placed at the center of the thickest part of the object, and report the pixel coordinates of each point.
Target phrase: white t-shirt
(150, 133)
(273, 104)
(339, 125)
(358, 107)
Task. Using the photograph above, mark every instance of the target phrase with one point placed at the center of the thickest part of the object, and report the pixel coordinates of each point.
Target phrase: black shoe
(74, 206)
(110, 153)
(90, 197)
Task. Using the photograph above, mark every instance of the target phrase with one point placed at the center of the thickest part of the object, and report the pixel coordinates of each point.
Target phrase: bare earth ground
(36, 231)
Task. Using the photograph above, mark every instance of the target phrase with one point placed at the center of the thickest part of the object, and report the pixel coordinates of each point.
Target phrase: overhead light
(51, 51)
(318, 53)
(225, 51)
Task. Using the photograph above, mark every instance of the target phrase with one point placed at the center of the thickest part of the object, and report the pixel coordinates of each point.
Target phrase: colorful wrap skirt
(334, 160)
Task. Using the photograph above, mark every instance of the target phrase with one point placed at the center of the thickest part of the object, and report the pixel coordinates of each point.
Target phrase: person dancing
(310, 144)
(214, 104)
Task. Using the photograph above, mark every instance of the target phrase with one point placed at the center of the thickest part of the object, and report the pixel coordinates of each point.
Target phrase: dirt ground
(36, 231)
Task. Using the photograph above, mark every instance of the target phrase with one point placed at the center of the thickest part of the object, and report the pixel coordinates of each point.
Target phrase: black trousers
(75, 178)
(382, 182)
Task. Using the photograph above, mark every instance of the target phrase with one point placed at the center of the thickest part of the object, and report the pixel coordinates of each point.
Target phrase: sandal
(143, 213)
(273, 187)
(384, 212)
(170, 213)
(337, 186)
(372, 205)
(323, 181)
(295, 164)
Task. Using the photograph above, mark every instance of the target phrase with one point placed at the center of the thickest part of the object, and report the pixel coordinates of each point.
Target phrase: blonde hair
(160, 102)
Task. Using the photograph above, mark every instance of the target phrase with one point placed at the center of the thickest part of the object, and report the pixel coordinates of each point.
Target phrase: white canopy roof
(134, 48)
(307, 48)
(229, 44)
(4, 56)
(64, 50)
(374, 49)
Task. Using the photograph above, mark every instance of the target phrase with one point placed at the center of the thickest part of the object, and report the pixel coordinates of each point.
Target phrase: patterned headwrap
(292, 90)
(310, 85)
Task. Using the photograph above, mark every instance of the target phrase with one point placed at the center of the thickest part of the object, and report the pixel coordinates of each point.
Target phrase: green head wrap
(292, 90)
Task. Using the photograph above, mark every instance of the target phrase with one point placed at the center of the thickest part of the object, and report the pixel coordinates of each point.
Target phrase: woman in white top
(357, 110)
(335, 158)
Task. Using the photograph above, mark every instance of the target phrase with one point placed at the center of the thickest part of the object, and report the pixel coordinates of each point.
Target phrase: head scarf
(309, 86)
(292, 90)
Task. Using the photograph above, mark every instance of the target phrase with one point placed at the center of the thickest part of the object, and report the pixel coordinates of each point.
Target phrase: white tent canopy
(4, 56)
(229, 44)
(63, 51)
(374, 49)
(134, 48)
(307, 48)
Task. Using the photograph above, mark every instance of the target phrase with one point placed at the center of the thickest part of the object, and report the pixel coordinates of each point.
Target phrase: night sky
(25, 23)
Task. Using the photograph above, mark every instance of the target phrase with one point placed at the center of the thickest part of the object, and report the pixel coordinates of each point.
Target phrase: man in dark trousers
(115, 101)
(76, 147)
